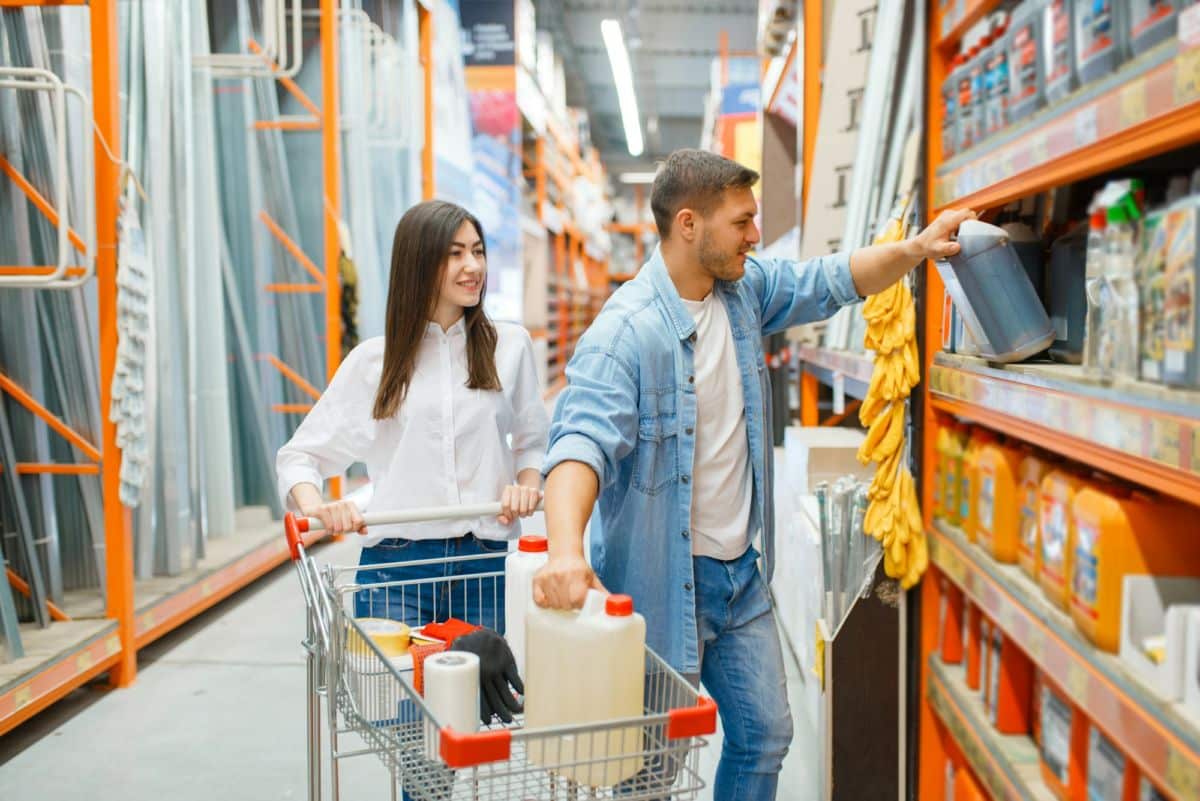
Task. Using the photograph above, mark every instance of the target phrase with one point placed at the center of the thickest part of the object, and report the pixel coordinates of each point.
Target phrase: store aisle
(217, 712)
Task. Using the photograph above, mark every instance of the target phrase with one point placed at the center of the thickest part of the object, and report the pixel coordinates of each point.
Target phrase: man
(663, 420)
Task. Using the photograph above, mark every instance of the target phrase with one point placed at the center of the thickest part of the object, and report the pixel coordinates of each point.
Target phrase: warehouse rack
(1144, 434)
(94, 636)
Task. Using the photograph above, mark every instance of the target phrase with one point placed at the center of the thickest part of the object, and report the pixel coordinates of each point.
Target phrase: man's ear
(685, 224)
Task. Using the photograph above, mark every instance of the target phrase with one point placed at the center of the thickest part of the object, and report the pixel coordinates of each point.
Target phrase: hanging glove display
(497, 671)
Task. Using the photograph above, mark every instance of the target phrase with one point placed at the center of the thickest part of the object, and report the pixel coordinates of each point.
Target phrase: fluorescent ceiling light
(618, 57)
(637, 177)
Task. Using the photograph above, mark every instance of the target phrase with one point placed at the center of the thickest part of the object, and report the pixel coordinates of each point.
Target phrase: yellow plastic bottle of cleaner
(1029, 549)
(1121, 533)
(951, 473)
(1057, 527)
(939, 469)
(997, 512)
(968, 499)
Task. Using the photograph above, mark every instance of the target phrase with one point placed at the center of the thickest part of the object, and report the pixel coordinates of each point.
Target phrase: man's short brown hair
(694, 179)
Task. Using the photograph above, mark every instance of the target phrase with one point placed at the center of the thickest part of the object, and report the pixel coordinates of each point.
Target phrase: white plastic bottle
(519, 569)
(586, 667)
(1121, 317)
(1096, 287)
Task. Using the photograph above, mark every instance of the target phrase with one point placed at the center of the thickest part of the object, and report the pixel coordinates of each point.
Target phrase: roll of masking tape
(390, 636)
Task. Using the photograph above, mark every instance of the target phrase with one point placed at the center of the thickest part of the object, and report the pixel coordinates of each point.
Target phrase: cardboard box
(815, 454)
(1154, 610)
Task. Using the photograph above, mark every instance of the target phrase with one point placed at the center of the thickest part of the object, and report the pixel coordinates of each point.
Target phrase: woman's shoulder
(365, 361)
(512, 335)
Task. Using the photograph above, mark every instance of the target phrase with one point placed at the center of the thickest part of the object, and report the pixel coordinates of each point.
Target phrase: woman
(444, 410)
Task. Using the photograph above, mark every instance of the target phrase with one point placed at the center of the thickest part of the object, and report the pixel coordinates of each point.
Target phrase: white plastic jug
(519, 569)
(587, 667)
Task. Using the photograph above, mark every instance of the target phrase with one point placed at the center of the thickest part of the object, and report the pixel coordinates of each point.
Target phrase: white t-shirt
(447, 445)
(722, 483)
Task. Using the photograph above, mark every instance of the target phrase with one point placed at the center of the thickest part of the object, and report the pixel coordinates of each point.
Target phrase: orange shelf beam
(1157, 450)
(290, 245)
(42, 205)
(57, 469)
(293, 376)
(1162, 743)
(22, 586)
(1151, 113)
(58, 678)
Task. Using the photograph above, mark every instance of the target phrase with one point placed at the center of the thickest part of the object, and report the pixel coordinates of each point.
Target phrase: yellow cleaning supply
(1058, 535)
(968, 498)
(998, 513)
(1122, 533)
(1029, 549)
(951, 459)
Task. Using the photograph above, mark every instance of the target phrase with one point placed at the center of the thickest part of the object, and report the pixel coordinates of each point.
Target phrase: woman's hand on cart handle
(563, 583)
(518, 500)
(338, 517)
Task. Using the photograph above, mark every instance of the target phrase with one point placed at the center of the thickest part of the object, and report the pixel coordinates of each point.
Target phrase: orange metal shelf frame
(1149, 110)
(1108, 430)
(1163, 744)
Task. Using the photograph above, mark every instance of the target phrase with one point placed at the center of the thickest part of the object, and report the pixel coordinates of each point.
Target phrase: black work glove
(497, 670)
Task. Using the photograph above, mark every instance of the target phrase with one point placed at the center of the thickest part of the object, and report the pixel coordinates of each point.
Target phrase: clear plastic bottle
(1121, 318)
(1096, 286)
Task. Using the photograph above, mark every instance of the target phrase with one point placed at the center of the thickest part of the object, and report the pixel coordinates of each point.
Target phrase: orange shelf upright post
(118, 532)
(425, 36)
(332, 188)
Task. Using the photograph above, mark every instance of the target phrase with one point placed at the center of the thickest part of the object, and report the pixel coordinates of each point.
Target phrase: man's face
(728, 234)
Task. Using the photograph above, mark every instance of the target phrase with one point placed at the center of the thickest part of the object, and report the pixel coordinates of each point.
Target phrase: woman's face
(466, 269)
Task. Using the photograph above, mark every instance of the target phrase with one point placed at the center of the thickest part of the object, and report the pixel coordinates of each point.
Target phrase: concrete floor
(218, 713)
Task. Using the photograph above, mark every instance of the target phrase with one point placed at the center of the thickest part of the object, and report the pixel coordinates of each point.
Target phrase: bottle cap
(619, 606)
(533, 543)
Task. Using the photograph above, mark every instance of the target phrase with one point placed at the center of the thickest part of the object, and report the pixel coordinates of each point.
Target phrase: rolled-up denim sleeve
(595, 419)
(797, 292)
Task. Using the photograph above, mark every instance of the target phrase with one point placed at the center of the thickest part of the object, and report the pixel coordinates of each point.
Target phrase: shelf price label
(1133, 104)
(1077, 683)
(1187, 77)
(1035, 644)
(1183, 775)
(1166, 441)
(1087, 129)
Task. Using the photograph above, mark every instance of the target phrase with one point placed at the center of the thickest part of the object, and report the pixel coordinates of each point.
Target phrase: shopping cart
(371, 695)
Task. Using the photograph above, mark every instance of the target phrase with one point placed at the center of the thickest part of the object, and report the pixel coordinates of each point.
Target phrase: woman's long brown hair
(420, 252)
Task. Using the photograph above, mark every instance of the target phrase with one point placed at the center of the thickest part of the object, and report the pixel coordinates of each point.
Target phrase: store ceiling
(671, 66)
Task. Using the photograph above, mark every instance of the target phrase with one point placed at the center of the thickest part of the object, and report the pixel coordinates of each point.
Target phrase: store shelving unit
(1145, 434)
(104, 637)
(845, 371)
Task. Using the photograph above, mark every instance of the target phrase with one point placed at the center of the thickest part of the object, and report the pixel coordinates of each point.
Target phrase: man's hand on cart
(564, 581)
(518, 500)
(497, 670)
(338, 517)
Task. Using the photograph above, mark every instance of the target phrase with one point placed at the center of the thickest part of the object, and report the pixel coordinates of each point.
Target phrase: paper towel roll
(452, 694)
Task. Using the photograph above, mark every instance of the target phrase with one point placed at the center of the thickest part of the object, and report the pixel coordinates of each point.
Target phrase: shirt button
(691, 379)
(689, 431)
(684, 533)
(688, 586)
(686, 479)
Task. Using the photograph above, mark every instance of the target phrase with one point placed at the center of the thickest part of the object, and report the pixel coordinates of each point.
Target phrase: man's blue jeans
(741, 666)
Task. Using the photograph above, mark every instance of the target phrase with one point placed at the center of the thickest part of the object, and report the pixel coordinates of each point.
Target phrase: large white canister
(519, 569)
(587, 667)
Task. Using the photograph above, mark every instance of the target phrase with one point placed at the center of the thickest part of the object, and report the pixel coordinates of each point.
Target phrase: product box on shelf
(1181, 324)
(1150, 22)
(1099, 38)
(1109, 776)
(1191, 667)
(1154, 616)
(950, 630)
(1025, 64)
(1063, 743)
(1010, 698)
(1058, 49)
(1152, 291)
(1119, 532)
(817, 454)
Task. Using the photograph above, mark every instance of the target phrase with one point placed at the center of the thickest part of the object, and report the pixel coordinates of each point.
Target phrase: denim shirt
(629, 412)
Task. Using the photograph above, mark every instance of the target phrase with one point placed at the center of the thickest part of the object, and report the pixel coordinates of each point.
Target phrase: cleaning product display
(1099, 38)
(994, 295)
(1152, 288)
(1118, 350)
(1119, 532)
(1058, 725)
(1150, 22)
(968, 490)
(893, 516)
(997, 90)
(1058, 49)
(998, 519)
(602, 648)
(1180, 321)
(520, 566)
(1026, 66)
(1029, 549)
(1058, 535)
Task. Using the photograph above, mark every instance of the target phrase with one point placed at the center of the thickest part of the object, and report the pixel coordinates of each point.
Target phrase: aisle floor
(218, 712)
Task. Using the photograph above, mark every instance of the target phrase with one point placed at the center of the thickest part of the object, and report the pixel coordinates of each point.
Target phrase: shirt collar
(458, 329)
(660, 279)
